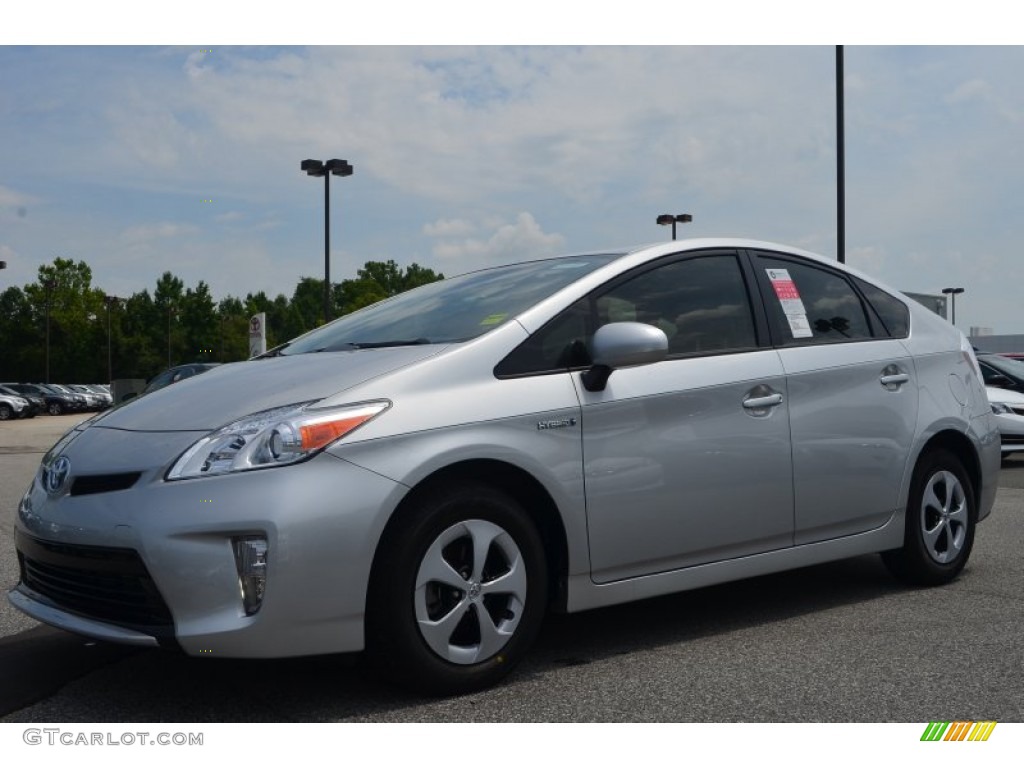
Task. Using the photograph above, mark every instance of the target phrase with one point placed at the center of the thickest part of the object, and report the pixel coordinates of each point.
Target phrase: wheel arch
(519, 485)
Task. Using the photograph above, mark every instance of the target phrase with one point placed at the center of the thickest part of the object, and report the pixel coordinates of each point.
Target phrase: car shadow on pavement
(161, 686)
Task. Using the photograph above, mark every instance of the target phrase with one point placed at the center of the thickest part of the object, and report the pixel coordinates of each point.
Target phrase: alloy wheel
(944, 514)
(470, 592)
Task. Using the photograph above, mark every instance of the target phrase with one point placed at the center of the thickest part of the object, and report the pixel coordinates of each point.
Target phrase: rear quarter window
(893, 313)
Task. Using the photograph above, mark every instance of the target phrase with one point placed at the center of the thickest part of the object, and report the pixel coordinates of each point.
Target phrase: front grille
(84, 484)
(1013, 439)
(109, 584)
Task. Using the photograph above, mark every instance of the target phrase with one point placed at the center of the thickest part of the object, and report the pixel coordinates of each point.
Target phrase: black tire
(5, 412)
(478, 624)
(940, 521)
(55, 409)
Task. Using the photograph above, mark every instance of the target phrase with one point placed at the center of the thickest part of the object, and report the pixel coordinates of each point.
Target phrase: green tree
(21, 337)
(379, 280)
(234, 330)
(200, 324)
(64, 292)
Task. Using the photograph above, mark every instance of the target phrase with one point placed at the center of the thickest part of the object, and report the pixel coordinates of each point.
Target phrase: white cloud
(448, 228)
(14, 198)
(970, 91)
(522, 240)
(160, 231)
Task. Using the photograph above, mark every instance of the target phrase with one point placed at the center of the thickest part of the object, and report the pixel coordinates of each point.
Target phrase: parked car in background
(96, 401)
(14, 407)
(1002, 372)
(429, 476)
(1008, 407)
(57, 402)
(104, 392)
(80, 402)
(37, 404)
(176, 374)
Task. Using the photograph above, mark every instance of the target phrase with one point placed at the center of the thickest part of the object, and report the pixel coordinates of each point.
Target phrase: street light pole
(668, 218)
(840, 160)
(952, 293)
(327, 169)
(108, 300)
(48, 285)
(170, 311)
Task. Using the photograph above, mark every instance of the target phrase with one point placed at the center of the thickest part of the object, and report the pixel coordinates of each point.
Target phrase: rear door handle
(899, 378)
(892, 377)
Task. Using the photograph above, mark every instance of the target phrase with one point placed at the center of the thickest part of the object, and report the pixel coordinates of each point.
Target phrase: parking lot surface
(837, 642)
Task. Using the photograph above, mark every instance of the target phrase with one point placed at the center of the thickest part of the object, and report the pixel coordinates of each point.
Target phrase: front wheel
(5, 412)
(459, 592)
(940, 519)
(55, 409)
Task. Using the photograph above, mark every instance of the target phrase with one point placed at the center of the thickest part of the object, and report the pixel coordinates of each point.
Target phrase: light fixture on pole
(327, 169)
(952, 292)
(668, 218)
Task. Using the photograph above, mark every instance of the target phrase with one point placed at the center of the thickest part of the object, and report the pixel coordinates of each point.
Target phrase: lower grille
(109, 584)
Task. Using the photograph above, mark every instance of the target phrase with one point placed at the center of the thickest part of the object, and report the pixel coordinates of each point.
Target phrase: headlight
(272, 438)
(1001, 408)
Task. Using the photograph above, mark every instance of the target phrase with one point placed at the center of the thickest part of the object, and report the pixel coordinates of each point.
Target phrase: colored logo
(959, 731)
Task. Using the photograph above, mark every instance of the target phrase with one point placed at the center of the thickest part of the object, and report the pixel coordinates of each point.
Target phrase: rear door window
(808, 304)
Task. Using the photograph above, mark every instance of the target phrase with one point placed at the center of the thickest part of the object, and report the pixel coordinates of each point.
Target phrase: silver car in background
(427, 477)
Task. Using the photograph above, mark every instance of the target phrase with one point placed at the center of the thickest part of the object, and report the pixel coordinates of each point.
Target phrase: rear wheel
(940, 519)
(459, 592)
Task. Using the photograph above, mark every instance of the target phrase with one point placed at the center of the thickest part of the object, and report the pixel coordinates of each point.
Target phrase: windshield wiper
(396, 343)
(274, 352)
(371, 344)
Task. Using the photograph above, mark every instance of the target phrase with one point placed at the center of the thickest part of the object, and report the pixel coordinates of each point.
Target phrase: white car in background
(1008, 407)
(13, 407)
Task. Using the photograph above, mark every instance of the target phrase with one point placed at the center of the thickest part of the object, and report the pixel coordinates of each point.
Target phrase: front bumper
(105, 563)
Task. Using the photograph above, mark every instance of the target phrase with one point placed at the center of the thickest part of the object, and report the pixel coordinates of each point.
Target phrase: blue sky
(470, 156)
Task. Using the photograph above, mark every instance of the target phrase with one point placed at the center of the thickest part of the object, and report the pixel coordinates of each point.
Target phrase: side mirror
(623, 345)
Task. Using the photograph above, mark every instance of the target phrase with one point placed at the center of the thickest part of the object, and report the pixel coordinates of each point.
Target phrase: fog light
(251, 562)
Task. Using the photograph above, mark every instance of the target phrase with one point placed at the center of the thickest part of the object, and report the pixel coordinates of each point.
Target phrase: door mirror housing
(623, 345)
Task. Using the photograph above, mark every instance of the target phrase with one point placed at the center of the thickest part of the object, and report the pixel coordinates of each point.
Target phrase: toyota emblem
(56, 475)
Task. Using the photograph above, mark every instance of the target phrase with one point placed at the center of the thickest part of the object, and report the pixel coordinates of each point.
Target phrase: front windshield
(456, 309)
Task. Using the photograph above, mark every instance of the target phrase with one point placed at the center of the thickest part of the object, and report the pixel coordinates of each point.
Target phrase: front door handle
(767, 401)
(760, 400)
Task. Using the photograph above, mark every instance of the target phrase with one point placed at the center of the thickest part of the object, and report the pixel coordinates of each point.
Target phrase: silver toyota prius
(427, 477)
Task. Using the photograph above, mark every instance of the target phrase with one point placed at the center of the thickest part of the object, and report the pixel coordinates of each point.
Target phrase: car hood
(229, 392)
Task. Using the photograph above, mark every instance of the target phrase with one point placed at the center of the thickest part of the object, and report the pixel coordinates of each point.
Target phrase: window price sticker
(792, 304)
